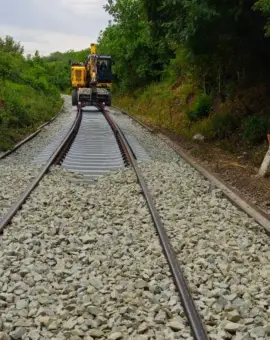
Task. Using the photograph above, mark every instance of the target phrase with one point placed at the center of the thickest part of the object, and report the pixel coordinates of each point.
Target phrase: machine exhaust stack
(93, 49)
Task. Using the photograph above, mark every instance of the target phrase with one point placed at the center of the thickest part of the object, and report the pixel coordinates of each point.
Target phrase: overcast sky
(53, 25)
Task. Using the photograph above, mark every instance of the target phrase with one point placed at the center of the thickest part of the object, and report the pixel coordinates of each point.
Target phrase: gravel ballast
(13, 180)
(16, 172)
(83, 261)
(154, 146)
(225, 254)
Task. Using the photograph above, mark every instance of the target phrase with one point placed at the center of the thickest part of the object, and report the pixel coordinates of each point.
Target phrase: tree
(264, 7)
(9, 45)
(225, 37)
(138, 58)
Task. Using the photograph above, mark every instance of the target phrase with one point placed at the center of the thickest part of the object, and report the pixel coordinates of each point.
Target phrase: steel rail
(55, 157)
(28, 138)
(232, 194)
(194, 318)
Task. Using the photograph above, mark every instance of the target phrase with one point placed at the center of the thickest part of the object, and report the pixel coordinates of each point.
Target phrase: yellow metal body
(104, 85)
(84, 77)
(78, 75)
(93, 49)
(78, 78)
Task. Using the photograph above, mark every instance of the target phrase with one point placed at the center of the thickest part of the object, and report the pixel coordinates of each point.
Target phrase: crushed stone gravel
(154, 146)
(77, 262)
(16, 172)
(82, 260)
(225, 254)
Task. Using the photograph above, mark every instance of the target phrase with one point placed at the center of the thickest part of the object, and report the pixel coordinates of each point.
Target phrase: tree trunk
(264, 169)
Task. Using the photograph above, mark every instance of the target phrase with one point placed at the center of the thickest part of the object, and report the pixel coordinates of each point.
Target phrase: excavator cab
(104, 69)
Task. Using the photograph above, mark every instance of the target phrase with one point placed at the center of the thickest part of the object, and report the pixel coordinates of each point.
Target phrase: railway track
(16, 166)
(57, 154)
(123, 151)
(110, 151)
(232, 194)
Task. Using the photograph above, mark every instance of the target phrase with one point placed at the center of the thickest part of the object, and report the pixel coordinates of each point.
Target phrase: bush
(224, 124)
(255, 129)
(216, 126)
(201, 108)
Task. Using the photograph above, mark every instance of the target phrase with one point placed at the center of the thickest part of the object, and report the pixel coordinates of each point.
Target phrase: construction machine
(92, 80)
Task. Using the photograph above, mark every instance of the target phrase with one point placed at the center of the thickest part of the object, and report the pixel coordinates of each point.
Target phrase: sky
(53, 25)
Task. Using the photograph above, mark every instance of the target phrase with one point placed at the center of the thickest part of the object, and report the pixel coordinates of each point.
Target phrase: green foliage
(27, 96)
(215, 47)
(163, 50)
(57, 67)
(181, 66)
(68, 56)
(264, 7)
(200, 108)
(138, 58)
(59, 75)
(8, 45)
(255, 129)
(224, 125)
(216, 43)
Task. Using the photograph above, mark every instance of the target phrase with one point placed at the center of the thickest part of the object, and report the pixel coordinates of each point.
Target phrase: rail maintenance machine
(92, 80)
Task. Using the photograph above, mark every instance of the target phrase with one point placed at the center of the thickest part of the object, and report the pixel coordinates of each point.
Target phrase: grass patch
(23, 110)
(183, 110)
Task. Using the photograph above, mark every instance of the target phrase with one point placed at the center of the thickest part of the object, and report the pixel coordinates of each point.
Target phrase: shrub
(201, 108)
(255, 129)
(216, 126)
(224, 124)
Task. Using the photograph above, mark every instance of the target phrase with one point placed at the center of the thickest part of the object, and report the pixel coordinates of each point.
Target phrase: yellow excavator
(92, 80)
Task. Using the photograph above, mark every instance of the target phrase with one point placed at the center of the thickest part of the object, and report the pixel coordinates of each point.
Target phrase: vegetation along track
(63, 229)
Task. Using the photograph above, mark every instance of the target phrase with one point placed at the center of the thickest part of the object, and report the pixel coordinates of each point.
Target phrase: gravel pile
(77, 263)
(16, 172)
(225, 254)
(155, 147)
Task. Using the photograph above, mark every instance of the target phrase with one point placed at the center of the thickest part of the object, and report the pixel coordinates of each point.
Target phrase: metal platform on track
(95, 150)
(48, 151)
